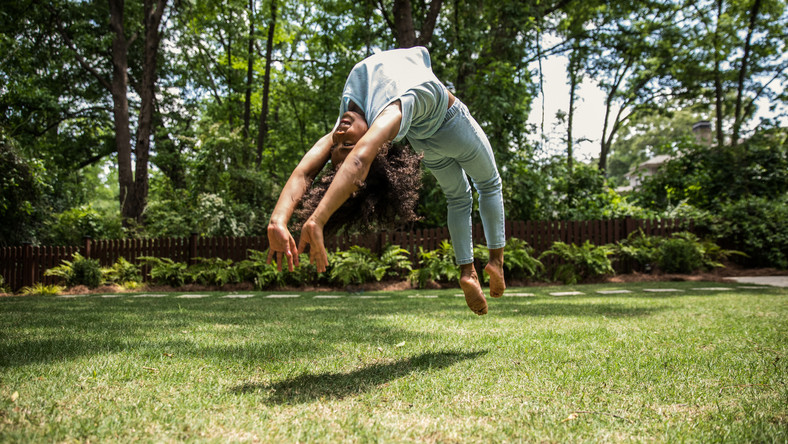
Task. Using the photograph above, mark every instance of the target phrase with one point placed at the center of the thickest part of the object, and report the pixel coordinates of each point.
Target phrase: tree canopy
(157, 117)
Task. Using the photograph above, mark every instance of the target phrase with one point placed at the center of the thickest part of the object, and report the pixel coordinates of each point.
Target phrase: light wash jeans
(459, 147)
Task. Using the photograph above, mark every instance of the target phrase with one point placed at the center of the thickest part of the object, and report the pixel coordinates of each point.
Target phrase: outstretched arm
(280, 240)
(353, 171)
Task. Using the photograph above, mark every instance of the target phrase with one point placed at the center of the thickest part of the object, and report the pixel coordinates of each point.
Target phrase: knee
(489, 187)
(461, 201)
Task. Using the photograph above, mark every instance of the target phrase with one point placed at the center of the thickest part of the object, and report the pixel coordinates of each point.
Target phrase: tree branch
(104, 82)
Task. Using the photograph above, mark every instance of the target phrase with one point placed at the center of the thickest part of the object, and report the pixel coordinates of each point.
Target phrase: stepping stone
(661, 290)
(238, 296)
(567, 293)
(193, 296)
(459, 295)
(71, 296)
(146, 295)
(283, 296)
(369, 297)
(328, 296)
(519, 295)
(613, 291)
(754, 287)
(423, 296)
(712, 289)
(111, 295)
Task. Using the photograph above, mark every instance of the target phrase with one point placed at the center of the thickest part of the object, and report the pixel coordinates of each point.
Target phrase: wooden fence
(25, 265)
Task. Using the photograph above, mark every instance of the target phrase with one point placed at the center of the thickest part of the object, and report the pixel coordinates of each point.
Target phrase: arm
(353, 171)
(279, 238)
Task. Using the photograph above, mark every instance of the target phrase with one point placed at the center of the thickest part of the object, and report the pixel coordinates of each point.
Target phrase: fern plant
(79, 271)
(166, 271)
(257, 271)
(356, 266)
(518, 258)
(580, 262)
(436, 265)
(40, 289)
(396, 260)
(213, 271)
(639, 248)
(122, 271)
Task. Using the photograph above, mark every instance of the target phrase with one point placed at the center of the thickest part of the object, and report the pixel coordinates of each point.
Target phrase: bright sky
(589, 111)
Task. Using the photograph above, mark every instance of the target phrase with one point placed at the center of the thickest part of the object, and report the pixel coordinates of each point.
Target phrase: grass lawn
(697, 364)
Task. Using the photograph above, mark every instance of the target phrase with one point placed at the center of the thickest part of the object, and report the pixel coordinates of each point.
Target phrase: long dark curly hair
(386, 200)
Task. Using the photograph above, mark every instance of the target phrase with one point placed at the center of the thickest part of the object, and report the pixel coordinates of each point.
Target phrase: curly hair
(387, 199)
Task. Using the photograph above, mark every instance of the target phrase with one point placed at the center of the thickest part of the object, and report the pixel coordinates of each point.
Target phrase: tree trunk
(738, 118)
(249, 73)
(718, 92)
(121, 111)
(269, 49)
(403, 28)
(153, 10)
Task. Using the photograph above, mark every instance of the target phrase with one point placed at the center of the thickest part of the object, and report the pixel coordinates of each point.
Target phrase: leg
(455, 186)
(494, 269)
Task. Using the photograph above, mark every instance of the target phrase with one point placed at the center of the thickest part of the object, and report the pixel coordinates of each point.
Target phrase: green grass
(697, 366)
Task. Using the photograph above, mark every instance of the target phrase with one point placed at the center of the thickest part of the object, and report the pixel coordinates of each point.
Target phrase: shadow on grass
(310, 387)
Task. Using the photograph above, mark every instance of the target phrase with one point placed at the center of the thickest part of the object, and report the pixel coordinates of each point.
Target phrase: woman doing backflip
(387, 97)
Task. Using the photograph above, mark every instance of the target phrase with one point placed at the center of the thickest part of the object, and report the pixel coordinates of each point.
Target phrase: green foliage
(519, 261)
(20, 194)
(71, 226)
(756, 226)
(213, 271)
(396, 260)
(436, 265)
(680, 255)
(121, 272)
(79, 271)
(40, 289)
(256, 270)
(641, 249)
(165, 271)
(580, 262)
(356, 266)
(3, 287)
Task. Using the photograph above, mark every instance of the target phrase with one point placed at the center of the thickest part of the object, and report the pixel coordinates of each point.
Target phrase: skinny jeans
(460, 147)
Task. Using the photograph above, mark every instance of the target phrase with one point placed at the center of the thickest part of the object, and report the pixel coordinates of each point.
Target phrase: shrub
(757, 226)
(79, 271)
(122, 271)
(436, 265)
(518, 258)
(40, 289)
(256, 270)
(641, 249)
(396, 260)
(166, 271)
(356, 266)
(680, 255)
(213, 271)
(580, 262)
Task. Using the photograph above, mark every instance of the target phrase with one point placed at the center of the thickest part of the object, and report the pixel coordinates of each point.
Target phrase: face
(352, 126)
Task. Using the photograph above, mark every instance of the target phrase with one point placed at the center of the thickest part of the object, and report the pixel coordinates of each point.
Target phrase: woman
(387, 97)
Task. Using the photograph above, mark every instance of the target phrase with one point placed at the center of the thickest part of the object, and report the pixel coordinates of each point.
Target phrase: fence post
(28, 273)
(86, 247)
(629, 226)
(192, 248)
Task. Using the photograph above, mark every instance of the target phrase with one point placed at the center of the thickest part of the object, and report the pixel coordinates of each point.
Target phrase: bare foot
(497, 282)
(474, 296)
(494, 269)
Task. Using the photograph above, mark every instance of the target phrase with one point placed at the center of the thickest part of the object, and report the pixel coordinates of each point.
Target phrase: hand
(281, 242)
(312, 234)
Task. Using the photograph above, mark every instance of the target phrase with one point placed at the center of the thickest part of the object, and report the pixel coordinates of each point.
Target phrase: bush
(213, 271)
(261, 274)
(396, 260)
(122, 271)
(580, 262)
(518, 259)
(40, 289)
(436, 265)
(356, 266)
(756, 226)
(641, 249)
(165, 271)
(680, 255)
(80, 271)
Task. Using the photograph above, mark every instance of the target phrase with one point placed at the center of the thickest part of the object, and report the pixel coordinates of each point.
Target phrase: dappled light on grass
(313, 387)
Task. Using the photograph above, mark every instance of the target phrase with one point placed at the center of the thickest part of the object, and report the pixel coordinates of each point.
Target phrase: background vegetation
(159, 118)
